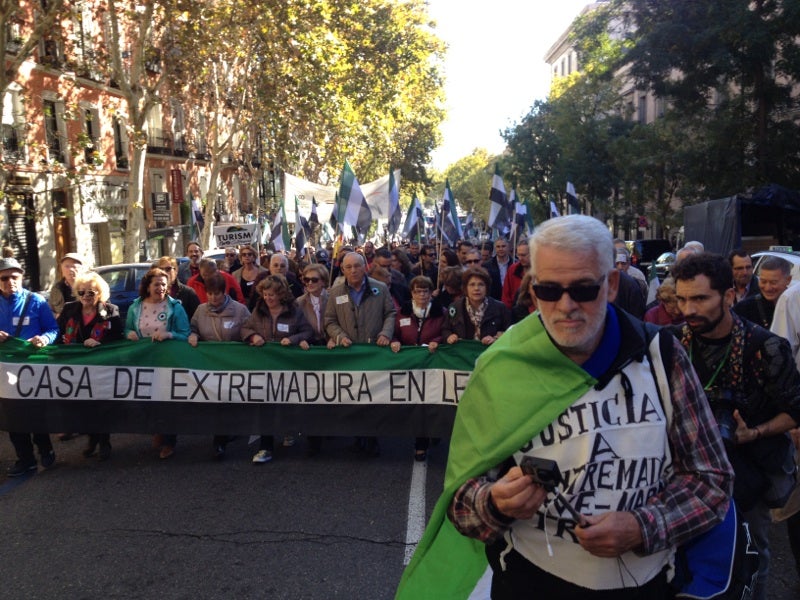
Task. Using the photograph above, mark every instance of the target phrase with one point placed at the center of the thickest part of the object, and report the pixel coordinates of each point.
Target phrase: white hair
(575, 233)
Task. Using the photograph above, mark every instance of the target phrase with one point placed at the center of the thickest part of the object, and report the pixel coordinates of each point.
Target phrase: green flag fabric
(519, 386)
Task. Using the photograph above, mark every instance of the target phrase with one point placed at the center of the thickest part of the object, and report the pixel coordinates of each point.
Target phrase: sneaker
(288, 441)
(166, 452)
(219, 452)
(48, 459)
(262, 456)
(21, 467)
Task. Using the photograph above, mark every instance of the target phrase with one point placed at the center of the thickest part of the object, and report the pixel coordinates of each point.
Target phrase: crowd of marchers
(418, 294)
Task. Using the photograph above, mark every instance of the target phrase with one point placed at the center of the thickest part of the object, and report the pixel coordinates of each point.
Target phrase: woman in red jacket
(419, 323)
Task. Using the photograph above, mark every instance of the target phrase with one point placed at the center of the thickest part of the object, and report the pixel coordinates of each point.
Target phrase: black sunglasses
(311, 279)
(89, 293)
(579, 293)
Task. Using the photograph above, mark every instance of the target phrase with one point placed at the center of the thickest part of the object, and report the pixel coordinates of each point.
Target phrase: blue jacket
(177, 320)
(38, 320)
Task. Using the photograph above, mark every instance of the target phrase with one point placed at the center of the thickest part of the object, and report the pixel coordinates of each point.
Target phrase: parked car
(792, 257)
(123, 281)
(664, 264)
(645, 252)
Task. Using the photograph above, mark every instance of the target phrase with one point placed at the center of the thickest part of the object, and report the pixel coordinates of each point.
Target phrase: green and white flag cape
(519, 386)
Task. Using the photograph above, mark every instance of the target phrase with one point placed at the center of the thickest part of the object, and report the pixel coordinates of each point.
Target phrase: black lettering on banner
(405, 387)
(199, 388)
(237, 383)
(133, 383)
(363, 388)
(255, 386)
(294, 389)
(311, 382)
(452, 390)
(21, 375)
(123, 382)
(274, 392)
(64, 382)
(176, 385)
(343, 386)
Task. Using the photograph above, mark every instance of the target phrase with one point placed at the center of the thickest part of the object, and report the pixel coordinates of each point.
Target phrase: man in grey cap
(61, 292)
(27, 316)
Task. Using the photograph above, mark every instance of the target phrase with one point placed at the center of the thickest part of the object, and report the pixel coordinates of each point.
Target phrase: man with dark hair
(486, 249)
(194, 252)
(427, 263)
(498, 267)
(745, 284)
(775, 275)
(752, 386)
(399, 286)
(463, 247)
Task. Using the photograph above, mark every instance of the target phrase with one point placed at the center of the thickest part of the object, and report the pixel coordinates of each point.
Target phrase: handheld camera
(545, 472)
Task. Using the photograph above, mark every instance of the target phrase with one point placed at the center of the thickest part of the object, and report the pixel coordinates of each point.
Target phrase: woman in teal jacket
(157, 316)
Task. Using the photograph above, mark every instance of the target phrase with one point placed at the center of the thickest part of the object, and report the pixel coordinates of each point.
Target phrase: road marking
(416, 508)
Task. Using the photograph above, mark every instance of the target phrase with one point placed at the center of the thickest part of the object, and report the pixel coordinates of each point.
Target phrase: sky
(494, 67)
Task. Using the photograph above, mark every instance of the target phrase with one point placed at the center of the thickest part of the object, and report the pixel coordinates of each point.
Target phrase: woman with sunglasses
(156, 315)
(91, 320)
(247, 275)
(275, 318)
(476, 316)
(312, 304)
(314, 301)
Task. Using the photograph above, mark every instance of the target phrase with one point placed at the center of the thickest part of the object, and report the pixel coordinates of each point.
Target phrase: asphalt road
(333, 526)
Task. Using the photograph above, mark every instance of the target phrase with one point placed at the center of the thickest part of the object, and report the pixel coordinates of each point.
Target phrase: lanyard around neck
(721, 364)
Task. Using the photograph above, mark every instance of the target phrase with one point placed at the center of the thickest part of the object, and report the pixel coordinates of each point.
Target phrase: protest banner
(142, 387)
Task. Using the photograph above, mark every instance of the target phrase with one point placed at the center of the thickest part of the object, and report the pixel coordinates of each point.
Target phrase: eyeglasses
(310, 279)
(167, 269)
(472, 262)
(230, 254)
(7, 277)
(250, 254)
(421, 291)
(89, 293)
(579, 293)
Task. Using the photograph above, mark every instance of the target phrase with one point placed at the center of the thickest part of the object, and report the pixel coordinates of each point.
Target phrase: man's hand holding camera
(516, 496)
